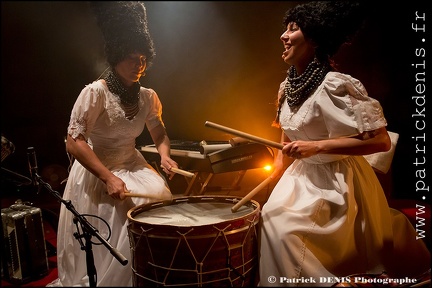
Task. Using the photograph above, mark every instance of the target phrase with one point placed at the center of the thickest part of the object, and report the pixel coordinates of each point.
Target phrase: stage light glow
(268, 167)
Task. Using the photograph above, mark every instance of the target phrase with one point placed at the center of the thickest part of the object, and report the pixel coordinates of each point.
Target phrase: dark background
(216, 61)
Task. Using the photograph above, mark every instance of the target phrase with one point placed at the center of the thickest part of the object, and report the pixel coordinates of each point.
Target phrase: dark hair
(329, 24)
(124, 28)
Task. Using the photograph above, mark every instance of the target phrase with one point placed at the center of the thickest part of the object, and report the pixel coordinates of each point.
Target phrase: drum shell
(220, 254)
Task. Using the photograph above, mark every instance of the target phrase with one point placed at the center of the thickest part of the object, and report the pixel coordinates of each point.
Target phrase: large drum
(194, 241)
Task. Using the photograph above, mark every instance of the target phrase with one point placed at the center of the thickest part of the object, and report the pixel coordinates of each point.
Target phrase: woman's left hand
(300, 149)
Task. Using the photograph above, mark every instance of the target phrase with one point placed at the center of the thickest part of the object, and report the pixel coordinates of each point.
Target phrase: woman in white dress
(107, 117)
(328, 216)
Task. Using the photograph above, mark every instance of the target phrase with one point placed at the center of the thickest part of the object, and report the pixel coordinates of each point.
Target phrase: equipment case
(25, 255)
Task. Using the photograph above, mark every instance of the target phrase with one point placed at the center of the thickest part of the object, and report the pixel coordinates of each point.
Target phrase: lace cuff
(77, 127)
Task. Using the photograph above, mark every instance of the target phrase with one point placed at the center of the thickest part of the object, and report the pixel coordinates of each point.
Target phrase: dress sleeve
(154, 117)
(347, 109)
(87, 108)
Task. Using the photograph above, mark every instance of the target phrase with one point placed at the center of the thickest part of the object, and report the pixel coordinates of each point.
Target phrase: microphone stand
(88, 232)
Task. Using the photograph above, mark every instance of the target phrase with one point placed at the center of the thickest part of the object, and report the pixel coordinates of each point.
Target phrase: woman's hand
(278, 169)
(280, 164)
(167, 164)
(116, 188)
(300, 149)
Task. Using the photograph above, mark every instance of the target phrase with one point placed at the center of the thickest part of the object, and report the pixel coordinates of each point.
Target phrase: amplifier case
(25, 254)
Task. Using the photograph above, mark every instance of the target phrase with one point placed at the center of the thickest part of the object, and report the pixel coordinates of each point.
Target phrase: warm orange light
(268, 167)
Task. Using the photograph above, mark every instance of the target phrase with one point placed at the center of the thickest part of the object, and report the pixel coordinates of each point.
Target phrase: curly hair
(124, 27)
(329, 24)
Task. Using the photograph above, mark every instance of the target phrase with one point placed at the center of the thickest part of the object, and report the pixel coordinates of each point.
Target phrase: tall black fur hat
(328, 23)
(124, 28)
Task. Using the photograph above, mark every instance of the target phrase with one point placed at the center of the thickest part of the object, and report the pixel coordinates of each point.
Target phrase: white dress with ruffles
(98, 116)
(328, 215)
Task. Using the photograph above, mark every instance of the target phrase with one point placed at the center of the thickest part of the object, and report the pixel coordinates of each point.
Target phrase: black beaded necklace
(298, 88)
(128, 96)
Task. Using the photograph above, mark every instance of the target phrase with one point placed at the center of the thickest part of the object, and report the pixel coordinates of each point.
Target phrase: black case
(25, 255)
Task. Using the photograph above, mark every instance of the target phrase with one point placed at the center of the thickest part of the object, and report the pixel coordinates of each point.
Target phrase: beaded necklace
(128, 96)
(298, 88)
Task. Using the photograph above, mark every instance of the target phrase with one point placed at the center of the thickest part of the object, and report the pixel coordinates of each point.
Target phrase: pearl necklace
(298, 88)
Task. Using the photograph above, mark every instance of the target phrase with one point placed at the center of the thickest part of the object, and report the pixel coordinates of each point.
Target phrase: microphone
(33, 167)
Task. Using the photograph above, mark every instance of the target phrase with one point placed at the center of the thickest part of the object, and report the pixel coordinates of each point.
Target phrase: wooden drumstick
(251, 194)
(181, 172)
(244, 135)
(129, 194)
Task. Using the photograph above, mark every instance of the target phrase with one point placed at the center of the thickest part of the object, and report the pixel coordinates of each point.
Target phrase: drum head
(191, 211)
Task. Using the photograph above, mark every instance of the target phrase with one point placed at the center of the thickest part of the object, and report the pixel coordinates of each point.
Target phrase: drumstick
(181, 172)
(129, 194)
(245, 135)
(251, 194)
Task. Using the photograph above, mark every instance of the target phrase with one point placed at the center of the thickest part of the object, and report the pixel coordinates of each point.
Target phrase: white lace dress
(98, 116)
(328, 215)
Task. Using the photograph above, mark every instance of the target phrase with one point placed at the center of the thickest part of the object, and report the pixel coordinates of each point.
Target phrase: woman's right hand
(278, 168)
(116, 188)
(281, 161)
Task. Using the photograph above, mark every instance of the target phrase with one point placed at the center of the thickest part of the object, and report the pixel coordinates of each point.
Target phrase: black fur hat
(124, 28)
(330, 24)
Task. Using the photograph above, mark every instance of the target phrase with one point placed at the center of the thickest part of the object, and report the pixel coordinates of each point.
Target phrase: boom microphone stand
(87, 229)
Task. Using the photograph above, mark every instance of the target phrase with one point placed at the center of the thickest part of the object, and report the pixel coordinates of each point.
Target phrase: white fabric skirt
(89, 197)
(332, 220)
